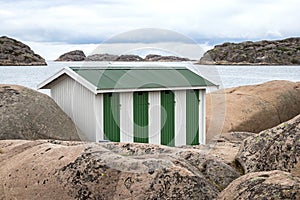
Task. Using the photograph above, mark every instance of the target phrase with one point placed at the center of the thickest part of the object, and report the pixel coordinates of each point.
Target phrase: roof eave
(150, 89)
(70, 73)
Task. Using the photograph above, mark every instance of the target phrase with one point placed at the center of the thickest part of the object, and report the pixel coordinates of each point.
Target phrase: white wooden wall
(202, 116)
(78, 102)
(126, 117)
(99, 117)
(180, 117)
(154, 117)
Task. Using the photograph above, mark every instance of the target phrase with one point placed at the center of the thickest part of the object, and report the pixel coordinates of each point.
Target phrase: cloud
(52, 51)
(95, 21)
(139, 42)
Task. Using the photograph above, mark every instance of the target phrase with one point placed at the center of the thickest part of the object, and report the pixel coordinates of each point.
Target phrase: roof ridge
(127, 67)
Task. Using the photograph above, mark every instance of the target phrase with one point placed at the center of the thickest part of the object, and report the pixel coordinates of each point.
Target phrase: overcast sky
(77, 23)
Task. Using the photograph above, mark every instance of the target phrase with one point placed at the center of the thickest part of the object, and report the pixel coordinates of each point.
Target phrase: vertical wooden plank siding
(140, 115)
(180, 117)
(78, 102)
(167, 118)
(99, 117)
(111, 104)
(154, 117)
(126, 117)
(202, 116)
(192, 117)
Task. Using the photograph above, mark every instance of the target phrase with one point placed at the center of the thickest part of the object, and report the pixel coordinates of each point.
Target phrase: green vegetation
(295, 61)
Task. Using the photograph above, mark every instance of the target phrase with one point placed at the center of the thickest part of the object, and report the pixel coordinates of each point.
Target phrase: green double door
(111, 116)
(167, 118)
(140, 117)
(192, 117)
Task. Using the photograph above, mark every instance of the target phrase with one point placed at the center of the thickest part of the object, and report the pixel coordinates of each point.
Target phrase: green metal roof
(133, 78)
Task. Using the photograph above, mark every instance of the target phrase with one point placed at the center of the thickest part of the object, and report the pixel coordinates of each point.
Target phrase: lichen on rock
(277, 148)
(263, 185)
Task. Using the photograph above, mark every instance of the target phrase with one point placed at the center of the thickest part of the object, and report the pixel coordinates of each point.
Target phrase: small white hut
(157, 105)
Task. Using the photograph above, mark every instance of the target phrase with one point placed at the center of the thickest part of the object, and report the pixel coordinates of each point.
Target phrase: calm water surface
(225, 76)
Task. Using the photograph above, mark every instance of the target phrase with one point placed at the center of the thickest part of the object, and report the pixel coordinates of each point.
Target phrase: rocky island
(78, 55)
(277, 52)
(13, 52)
(160, 58)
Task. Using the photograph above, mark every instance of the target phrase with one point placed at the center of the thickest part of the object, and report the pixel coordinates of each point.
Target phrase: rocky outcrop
(102, 57)
(13, 52)
(277, 148)
(76, 55)
(226, 147)
(111, 57)
(263, 185)
(130, 58)
(76, 170)
(278, 52)
(159, 58)
(252, 108)
(28, 114)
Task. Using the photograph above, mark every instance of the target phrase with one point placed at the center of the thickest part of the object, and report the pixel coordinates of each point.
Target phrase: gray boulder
(76, 170)
(277, 148)
(263, 185)
(252, 108)
(28, 114)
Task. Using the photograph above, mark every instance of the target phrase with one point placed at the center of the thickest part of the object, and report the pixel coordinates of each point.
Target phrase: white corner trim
(71, 74)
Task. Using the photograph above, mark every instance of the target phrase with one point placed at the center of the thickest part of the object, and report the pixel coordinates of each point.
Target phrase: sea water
(224, 76)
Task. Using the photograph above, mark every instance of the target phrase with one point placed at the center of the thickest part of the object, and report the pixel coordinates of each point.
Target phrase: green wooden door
(140, 116)
(111, 114)
(167, 118)
(192, 117)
